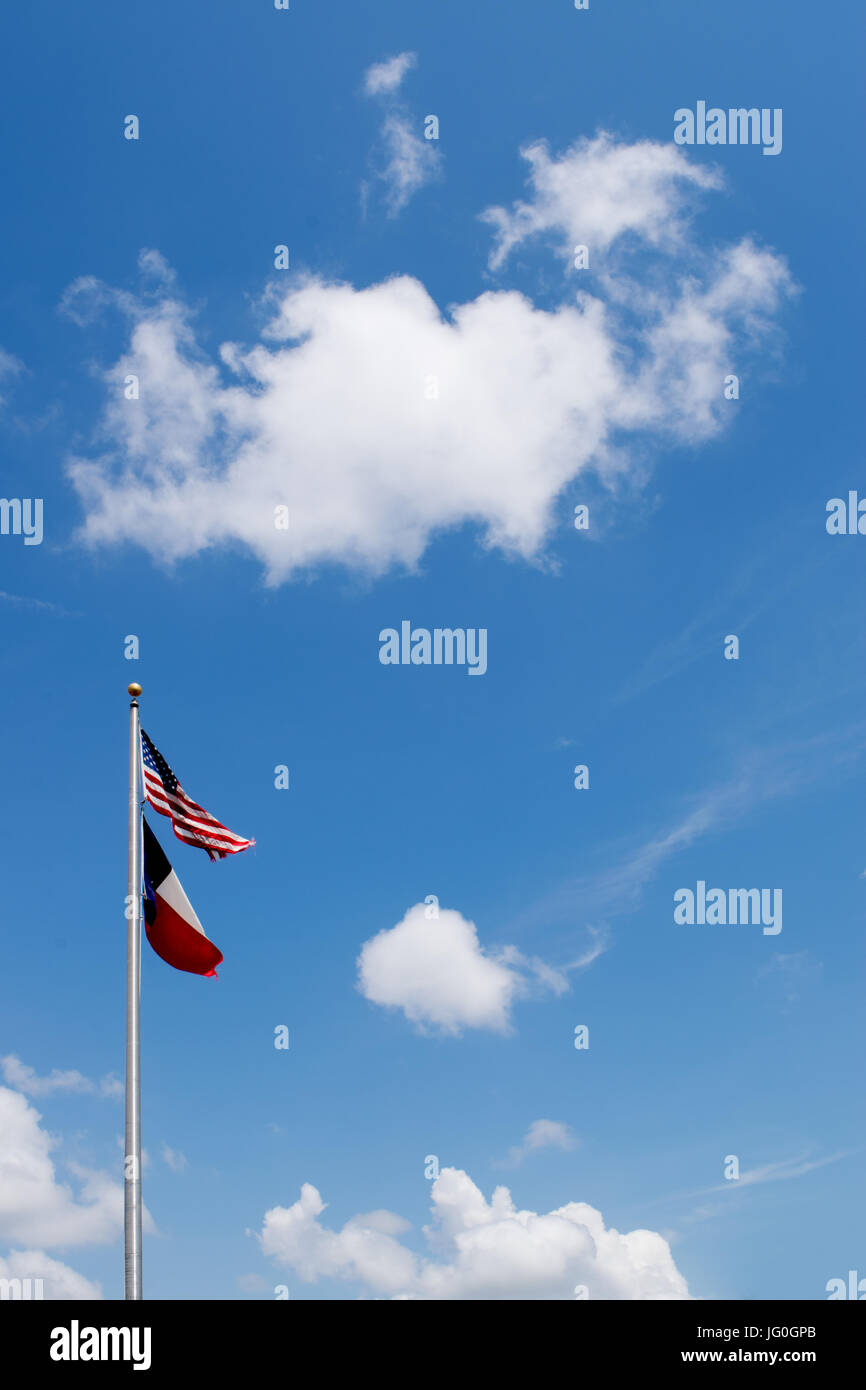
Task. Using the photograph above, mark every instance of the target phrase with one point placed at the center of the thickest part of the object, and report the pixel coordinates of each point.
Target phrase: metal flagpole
(132, 1145)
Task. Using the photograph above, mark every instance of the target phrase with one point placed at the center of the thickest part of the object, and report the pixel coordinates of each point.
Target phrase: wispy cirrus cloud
(175, 1160)
(24, 1078)
(41, 605)
(780, 1171)
(762, 775)
(407, 160)
(10, 367)
(541, 1134)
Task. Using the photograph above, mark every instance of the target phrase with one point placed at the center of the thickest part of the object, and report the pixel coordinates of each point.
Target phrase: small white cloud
(16, 1073)
(23, 1078)
(481, 1250)
(251, 1283)
(438, 973)
(153, 264)
(542, 1134)
(41, 605)
(388, 75)
(598, 191)
(9, 364)
(9, 367)
(176, 1161)
(436, 970)
(410, 161)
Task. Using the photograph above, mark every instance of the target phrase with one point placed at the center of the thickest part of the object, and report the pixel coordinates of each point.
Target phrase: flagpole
(132, 1144)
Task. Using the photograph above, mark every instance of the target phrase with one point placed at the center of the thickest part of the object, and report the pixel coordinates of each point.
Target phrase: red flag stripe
(169, 807)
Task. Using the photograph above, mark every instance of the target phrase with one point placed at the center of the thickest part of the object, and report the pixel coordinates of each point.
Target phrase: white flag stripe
(197, 827)
(171, 892)
(161, 800)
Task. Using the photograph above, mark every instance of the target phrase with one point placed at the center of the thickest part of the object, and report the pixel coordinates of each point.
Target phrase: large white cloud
(435, 969)
(58, 1280)
(378, 420)
(36, 1209)
(480, 1250)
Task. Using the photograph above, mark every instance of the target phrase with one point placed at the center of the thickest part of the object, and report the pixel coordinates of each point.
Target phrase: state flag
(172, 927)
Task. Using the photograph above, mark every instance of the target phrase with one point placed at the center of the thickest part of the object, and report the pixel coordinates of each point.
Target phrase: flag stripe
(179, 944)
(170, 808)
(184, 803)
(172, 926)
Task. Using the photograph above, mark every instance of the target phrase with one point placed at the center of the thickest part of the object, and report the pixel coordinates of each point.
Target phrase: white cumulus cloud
(479, 1250)
(598, 191)
(59, 1282)
(379, 421)
(436, 970)
(35, 1208)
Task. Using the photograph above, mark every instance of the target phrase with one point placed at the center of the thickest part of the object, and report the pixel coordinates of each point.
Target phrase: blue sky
(432, 387)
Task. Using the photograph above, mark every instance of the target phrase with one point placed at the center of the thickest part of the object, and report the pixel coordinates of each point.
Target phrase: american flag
(191, 822)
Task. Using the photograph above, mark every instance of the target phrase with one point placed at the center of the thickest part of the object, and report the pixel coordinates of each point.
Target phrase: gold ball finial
(134, 690)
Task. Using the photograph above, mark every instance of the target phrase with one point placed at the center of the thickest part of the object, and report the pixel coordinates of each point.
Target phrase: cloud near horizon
(380, 421)
(38, 1211)
(479, 1250)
